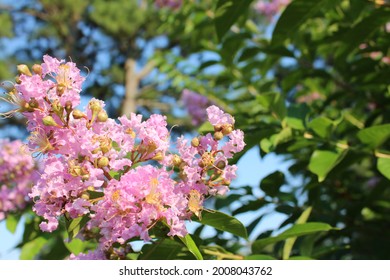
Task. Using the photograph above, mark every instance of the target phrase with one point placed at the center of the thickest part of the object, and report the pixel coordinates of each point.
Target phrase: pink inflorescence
(120, 175)
(196, 105)
(17, 175)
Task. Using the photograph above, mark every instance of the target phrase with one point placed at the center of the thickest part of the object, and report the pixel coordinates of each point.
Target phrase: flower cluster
(119, 174)
(18, 172)
(270, 8)
(196, 105)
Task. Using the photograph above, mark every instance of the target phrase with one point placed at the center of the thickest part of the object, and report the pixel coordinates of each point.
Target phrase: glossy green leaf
(383, 165)
(323, 161)
(296, 116)
(75, 225)
(75, 246)
(222, 222)
(12, 223)
(31, 249)
(191, 246)
(374, 136)
(288, 245)
(226, 14)
(205, 128)
(272, 183)
(164, 249)
(259, 257)
(322, 126)
(294, 231)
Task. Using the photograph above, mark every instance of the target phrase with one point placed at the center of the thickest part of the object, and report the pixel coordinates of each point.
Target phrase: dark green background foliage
(310, 92)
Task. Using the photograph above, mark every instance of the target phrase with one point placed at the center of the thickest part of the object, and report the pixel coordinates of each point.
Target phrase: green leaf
(294, 231)
(272, 183)
(164, 249)
(383, 166)
(222, 222)
(32, 248)
(322, 126)
(288, 245)
(76, 246)
(12, 223)
(205, 128)
(74, 226)
(226, 14)
(296, 115)
(374, 136)
(189, 242)
(295, 14)
(258, 257)
(323, 161)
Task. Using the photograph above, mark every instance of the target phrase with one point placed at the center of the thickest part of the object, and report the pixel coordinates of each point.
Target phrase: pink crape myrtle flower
(18, 172)
(118, 174)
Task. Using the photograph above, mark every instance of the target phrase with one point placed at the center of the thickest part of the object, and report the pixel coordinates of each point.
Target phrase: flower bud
(77, 114)
(33, 103)
(221, 164)
(102, 116)
(130, 132)
(103, 162)
(195, 142)
(17, 80)
(227, 129)
(37, 69)
(95, 106)
(176, 160)
(57, 108)
(218, 135)
(68, 107)
(158, 156)
(91, 188)
(23, 69)
(218, 127)
(105, 144)
(49, 121)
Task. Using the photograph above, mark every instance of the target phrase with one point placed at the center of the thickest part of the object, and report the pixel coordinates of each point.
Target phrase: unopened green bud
(103, 162)
(102, 116)
(61, 89)
(23, 69)
(77, 114)
(57, 108)
(49, 121)
(37, 69)
(218, 135)
(195, 142)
